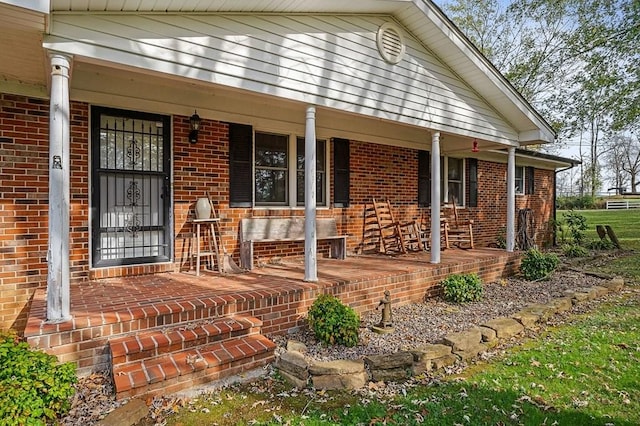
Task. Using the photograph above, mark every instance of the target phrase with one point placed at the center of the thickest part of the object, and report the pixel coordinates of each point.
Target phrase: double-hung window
(520, 180)
(321, 172)
(452, 179)
(525, 180)
(454, 169)
(278, 162)
(271, 161)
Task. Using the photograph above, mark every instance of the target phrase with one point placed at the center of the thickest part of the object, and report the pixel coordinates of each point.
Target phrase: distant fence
(623, 204)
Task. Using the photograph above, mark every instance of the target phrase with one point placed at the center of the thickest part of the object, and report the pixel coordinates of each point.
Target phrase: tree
(524, 41)
(574, 60)
(613, 160)
(624, 159)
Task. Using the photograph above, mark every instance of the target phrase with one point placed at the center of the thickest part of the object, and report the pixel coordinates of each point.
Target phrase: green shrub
(585, 202)
(573, 250)
(537, 265)
(333, 322)
(576, 224)
(600, 245)
(462, 288)
(33, 386)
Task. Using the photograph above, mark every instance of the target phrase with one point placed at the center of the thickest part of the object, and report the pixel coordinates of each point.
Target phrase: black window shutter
(529, 189)
(473, 182)
(340, 172)
(424, 179)
(240, 165)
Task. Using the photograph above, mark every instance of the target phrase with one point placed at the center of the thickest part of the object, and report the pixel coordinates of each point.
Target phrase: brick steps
(174, 359)
(156, 342)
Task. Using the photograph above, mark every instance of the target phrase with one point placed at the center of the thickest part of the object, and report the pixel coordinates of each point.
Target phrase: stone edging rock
(453, 348)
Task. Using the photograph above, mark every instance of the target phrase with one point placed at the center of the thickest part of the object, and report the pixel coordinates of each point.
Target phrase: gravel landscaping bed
(428, 322)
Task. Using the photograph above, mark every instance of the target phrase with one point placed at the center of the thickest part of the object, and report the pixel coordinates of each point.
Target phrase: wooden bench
(277, 229)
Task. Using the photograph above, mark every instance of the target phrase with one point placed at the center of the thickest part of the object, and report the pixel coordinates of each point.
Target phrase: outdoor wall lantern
(194, 124)
(475, 146)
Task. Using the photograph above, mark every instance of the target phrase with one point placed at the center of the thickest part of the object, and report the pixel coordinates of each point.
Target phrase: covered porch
(110, 316)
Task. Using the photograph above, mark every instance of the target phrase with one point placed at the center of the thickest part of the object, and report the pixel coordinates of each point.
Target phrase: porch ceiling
(21, 33)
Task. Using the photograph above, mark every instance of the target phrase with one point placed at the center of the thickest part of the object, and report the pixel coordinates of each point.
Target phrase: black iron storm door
(130, 195)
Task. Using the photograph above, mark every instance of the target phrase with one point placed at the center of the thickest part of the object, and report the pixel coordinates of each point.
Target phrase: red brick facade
(377, 171)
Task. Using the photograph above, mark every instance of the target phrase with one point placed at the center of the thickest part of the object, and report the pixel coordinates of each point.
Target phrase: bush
(600, 245)
(573, 250)
(576, 224)
(537, 265)
(462, 288)
(333, 322)
(585, 202)
(33, 386)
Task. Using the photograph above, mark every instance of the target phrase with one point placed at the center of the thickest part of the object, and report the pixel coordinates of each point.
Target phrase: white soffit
(22, 70)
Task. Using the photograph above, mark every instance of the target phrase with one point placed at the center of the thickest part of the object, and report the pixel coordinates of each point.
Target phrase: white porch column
(511, 200)
(310, 237)
(58, 302)
(435, 197)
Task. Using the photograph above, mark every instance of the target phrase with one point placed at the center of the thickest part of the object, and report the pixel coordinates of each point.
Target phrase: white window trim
(292, 173)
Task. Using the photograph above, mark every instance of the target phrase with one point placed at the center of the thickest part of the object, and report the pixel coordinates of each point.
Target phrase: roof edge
(544, 156)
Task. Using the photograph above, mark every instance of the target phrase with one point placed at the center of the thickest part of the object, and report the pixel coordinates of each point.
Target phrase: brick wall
(24, 190)
(377, 171)
(490, 217)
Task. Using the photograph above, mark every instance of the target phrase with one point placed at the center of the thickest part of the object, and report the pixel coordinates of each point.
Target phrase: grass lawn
(582, 373)
(626, 225)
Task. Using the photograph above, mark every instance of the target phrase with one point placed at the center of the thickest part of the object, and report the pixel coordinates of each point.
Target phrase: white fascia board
(41, 6)
(482, 64)
(522, 159)
(231, 6)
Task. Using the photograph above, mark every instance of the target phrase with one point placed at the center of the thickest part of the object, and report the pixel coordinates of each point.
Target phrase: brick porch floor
(275, 294)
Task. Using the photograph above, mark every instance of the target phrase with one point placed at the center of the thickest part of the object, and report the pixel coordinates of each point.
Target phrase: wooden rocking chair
(395, 237)
(458, 232)
(425, 232)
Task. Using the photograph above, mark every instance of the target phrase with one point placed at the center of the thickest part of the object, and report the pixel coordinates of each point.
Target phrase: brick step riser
(196, 314)
(197, 378)
(163, 349)
(216, 359)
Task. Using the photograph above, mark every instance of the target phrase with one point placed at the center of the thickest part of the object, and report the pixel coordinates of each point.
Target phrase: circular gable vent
(390, 43)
